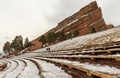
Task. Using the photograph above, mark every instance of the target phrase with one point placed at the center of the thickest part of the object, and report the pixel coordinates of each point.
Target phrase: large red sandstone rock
(84, 21)
(85, 10)
(86, 16)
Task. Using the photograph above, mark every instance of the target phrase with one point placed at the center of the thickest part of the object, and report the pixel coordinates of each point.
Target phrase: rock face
(35, 45)
(87, 20)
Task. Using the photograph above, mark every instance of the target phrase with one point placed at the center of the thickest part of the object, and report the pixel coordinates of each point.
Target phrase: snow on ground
(51, 71)
(17, 71)
(27, 55)
(93, 67)
(115, 55)
(30, 71)
(10, 69)
(96, 38)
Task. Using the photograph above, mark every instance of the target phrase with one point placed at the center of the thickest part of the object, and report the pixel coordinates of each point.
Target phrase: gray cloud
(31, 18)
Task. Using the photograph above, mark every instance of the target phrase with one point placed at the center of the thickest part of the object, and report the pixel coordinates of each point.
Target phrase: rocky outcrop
(85, 10)
(109, 26)
(86, 20)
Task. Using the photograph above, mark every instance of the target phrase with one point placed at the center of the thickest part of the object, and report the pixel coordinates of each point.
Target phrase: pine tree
(26, 43)
(70, 35)
(93, 30)
(57, 35)
(51, 37)
(7, 47)
(76, 33)
(43, 39)
(14, 43)
(20, 42)
(62, 36)
(17, 43)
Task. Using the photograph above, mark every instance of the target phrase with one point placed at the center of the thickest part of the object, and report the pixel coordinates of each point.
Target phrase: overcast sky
(31, 18)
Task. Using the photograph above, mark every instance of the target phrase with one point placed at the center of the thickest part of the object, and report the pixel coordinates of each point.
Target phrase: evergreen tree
(14, 43)
(57, 35)
(43, 39)
(20, 41)
(93, 30)
(26, 43)
(17, 43)
(76, 33)
(51, 37)
(70, 35)
(7, 47)
(62, 36)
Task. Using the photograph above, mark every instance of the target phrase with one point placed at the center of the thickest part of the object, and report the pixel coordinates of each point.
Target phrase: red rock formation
(86, 20)
(35, 45)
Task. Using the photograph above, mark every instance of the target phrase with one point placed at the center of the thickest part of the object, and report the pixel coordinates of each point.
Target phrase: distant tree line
(16, 44)
(53, 37)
